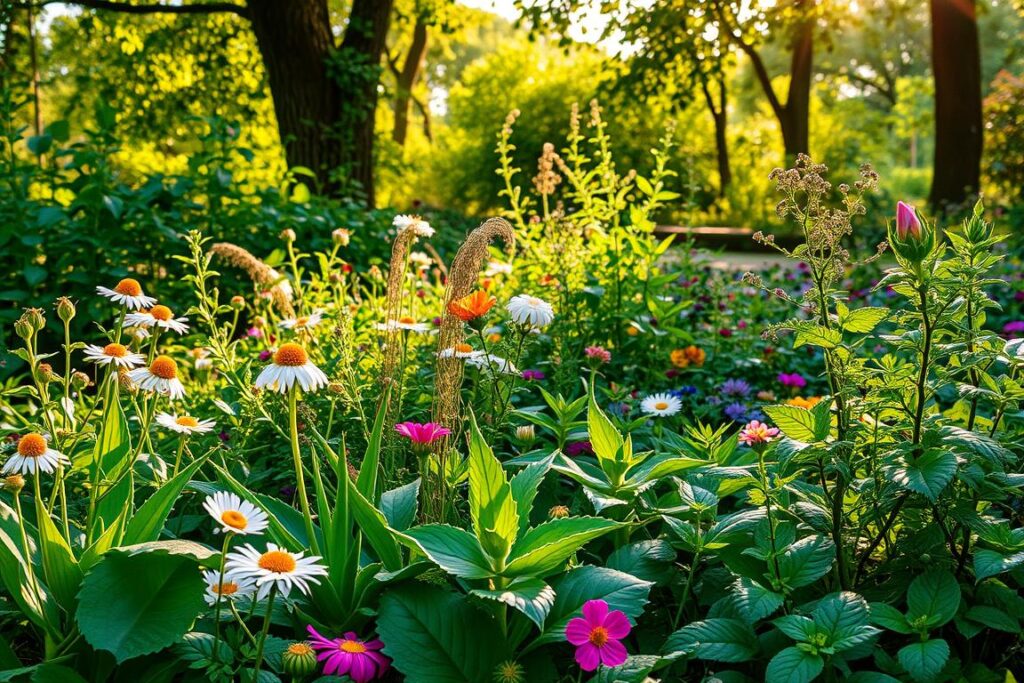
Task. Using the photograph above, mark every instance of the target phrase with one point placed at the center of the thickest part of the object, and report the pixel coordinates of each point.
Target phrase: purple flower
(1015, 327)
(535, 375)
(683, 391)
(735, 387)
(793, 380)
(578, 448)
(266, 355)
(254, 332)
(737, 412)
(596, 635)
(350, 656)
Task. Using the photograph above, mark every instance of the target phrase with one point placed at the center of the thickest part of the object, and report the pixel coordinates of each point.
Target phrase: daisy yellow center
(161, 313)
(115, 350)
(352, 647)
(598, 636)
(407, 320)
(291, 355)
(129, 287)
(661, 405)
(164, 367)
(300, 649)
(301, 322)
(236, 520)
(187, 421)
(226, 588)
(277, 561)
(463, 348)
(32, 446)
(533, 301)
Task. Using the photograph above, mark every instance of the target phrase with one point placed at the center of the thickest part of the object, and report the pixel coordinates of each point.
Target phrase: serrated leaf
(933, 596)
(547, 546)
(532, 597)
(754, 600)
(928, 474)
(454, 550)
(792, 665)
(796, 423)
(924, 660)
(806, 561)
(864, 320)
(720, 640)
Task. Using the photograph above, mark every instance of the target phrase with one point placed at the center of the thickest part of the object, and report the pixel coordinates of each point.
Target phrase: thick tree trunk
(719, 114)
(796, 115)
(295, 41)
(406, 80)
(956, 64)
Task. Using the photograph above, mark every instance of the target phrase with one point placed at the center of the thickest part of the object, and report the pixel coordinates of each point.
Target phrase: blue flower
(737, 412)
(736, 388)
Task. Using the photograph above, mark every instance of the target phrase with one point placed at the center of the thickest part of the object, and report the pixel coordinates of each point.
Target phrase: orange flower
(806, 403)
(471, 307)
(691, 355)
(679, 359)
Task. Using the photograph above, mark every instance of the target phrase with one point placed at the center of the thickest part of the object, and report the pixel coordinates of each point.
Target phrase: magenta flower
(792, 379)
(422, 433)
(534, 375)
(350, 656)
(598, 353)
(756, 433)
(597, 635)
(1013, 329)
(907, 222)
(579, 448)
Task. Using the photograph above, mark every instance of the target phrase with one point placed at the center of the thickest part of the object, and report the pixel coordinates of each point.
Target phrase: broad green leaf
(546, 547)
(399, 505)
(754, 600)
(374, 528)
(368, 479)
(650, 560)
(796, 423)
(491, 506)
(923, 661)
(720, 640)
(797, 627)
(437, 636)
(816, 335)
(133, 605)
(889, 617)
(806, 561)
(524, 489)
(843, 617)
(990, 563)
(928, 474)
(864, 320)
(532, 597)
(454, 550)
(148, 521)
(792, 665)
(60, 568)
(934, 596)
(604, 437)
(634, 670)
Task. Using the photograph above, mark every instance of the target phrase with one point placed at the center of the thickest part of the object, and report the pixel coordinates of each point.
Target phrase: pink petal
(363, 669)
(577, 631)
(613, 653)
(594, 611)
(617, 625)
(375, 644)
(588, 657)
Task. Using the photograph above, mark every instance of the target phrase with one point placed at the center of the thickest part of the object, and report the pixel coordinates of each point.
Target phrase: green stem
(263, 634)
(220, 598)
(300, 479)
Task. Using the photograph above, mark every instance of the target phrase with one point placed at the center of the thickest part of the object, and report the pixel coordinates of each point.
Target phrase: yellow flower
(806, 403)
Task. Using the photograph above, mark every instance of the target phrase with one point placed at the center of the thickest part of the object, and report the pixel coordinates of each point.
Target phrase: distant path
(735, 260)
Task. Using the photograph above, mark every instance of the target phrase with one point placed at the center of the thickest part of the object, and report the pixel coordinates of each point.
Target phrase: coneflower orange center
(463, 348)
(598, 636)
(161, 312)
(115, 350)
(352, 646)
(661, 405)
(226, 588)
(164, 367)
(407, 320)
(290, 354)
(129, 287)
(235, 519)
(187, 421)
(300, 649)
(32, 445)
(277, 561)
(301, 322)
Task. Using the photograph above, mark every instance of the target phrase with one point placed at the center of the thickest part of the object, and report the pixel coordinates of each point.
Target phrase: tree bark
(796, 118)
(719, 114)
(406, 79)
(956, 65)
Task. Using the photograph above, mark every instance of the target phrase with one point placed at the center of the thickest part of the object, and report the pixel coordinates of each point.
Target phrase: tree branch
(153, 8)
(755, 59)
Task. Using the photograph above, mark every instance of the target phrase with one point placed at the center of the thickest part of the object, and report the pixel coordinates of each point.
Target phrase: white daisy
(464, 351)
(501, 365)
(405, 323)
(161, 376)
(420, 259)
(417, 225)
(234, 515)
(291, 365)
(661, 405)
(232, 589)
(529, 310)
(127, 292)
(184, 424)
(303, 322)
(118, 354)
(275, 567)
(34, 455)
(498, 268)
(158, 316)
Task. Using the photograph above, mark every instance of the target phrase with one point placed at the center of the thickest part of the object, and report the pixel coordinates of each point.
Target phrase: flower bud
(510, 671)
(976, 229)
(65, 309)
(558, 512)
(907, 222)
(526, 434)
(45, 374)
(237, 302)
(14, 483)
(24, 328)
(912, 240)
(341, 237)
(288, 235)
(299, 660)
(79, 380)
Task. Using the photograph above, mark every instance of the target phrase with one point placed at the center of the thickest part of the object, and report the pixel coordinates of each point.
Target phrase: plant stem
(300, 479)
(220, 598)
(263, 634)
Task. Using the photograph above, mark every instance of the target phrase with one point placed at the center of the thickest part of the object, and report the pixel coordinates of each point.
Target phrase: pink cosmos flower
(350, 656)
(756, 433)
(792, 379)
(422, 433)
(597, 635)
(598, 353)
(907, 222)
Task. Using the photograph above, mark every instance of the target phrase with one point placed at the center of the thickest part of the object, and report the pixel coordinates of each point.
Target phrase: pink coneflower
(535, 375)
(597, 634)
(598, 353)
(755, 433)
(422, 433)
(793, 380)
(1014, 329)
(350, 656)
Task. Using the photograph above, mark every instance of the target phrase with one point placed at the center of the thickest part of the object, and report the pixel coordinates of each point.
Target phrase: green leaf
(546, 547)
(491, 506)
(816, 335)
(792, 665)
(621, 591)
(60, 568)
(934, 596)
(720, 640)
(48, 672)
(374, 528)
(524, 489)
(650, 560)
(990, 563)
(928, 474)
(796, 423)
(635, 670)
(148, 521)
(133, 605)
(754, 600)
(605, 439)
(436, 636)
(843, 617)
(863, 320)
(532, 597)
(368, 480)
(889, 617)
(923, 661)
(399, 505)
(454, 550)
(806, 561)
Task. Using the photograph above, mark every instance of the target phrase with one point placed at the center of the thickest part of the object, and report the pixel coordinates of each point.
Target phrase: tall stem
(300, 479)
(220, 598)
(263, 634)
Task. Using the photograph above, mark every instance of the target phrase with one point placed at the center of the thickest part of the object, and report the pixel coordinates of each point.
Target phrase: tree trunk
(406, 79)
(956, 65)
(719, 114)
(796, 115)
(295, 42)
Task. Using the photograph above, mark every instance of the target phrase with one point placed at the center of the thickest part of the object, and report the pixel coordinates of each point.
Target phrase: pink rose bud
(907, 222)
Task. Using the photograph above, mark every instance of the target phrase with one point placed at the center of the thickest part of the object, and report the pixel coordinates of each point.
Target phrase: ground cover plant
(563, 451)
